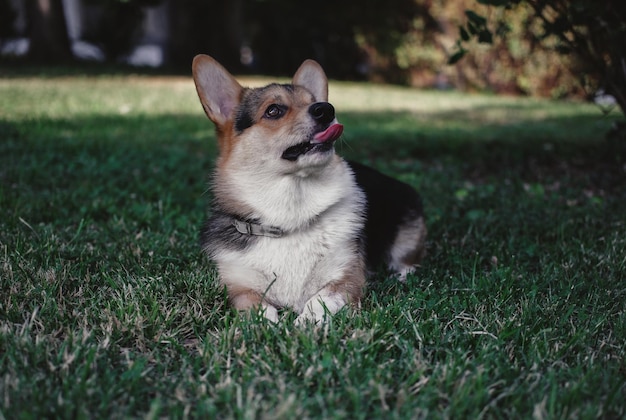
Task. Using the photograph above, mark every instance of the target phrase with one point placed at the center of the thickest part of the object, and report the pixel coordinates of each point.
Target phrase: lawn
(108, 309)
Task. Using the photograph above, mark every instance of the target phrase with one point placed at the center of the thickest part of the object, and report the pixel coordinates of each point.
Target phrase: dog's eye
(274, 111)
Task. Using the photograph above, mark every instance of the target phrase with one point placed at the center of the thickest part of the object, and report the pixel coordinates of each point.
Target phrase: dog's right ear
(218, 90)
(311, 76)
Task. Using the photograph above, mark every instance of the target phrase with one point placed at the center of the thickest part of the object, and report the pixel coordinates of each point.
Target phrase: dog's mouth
(321, 142)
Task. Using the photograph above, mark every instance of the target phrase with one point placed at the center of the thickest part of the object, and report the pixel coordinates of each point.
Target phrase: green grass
(108, 309)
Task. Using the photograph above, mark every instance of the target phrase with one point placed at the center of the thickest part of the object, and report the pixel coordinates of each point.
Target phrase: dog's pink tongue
(332, 133)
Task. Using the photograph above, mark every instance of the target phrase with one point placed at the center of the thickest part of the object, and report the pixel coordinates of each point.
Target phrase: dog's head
(283, 128)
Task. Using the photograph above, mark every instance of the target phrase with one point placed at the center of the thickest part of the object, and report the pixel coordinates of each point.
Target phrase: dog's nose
(322, 112)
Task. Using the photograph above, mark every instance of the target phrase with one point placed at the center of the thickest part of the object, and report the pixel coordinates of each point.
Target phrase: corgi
(292, 224)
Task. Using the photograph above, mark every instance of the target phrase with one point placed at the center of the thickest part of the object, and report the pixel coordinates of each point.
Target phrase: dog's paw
(303, 319)
(319, 307)
(269, 312)
(404, 272)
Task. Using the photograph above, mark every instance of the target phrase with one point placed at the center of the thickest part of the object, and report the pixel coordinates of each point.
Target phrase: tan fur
(243, 298)
(352, 284)
(220, 114)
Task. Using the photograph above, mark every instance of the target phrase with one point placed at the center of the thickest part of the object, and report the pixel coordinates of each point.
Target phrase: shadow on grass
(63, 149)
(528, 149)
(456, 133)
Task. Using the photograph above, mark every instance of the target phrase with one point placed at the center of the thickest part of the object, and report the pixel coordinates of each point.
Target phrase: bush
(516, 62)
(590, 34)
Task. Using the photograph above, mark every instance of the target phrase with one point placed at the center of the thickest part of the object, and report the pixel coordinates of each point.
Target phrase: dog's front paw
(306, 318)
(269, 312)
(319, 307)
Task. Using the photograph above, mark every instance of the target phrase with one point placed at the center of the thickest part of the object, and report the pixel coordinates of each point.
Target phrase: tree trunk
(47, 31)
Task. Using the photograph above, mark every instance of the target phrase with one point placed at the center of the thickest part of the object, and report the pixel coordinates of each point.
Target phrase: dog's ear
(311, 76)
(218, 90)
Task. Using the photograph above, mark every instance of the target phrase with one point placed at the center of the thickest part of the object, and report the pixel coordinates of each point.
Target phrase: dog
(293, 225)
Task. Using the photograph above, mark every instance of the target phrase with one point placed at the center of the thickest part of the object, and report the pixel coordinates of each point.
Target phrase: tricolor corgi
(293, 225)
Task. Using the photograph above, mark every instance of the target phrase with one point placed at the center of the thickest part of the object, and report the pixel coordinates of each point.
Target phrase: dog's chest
(291, 269)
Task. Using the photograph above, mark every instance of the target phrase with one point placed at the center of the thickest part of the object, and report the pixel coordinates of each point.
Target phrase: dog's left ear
(311, 76)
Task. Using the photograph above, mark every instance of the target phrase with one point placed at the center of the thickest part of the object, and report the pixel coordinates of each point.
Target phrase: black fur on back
(389, 203)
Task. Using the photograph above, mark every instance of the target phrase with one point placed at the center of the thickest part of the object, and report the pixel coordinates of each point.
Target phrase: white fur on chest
(322, 221)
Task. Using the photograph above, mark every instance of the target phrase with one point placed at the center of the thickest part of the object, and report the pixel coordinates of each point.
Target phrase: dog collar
(256, 229)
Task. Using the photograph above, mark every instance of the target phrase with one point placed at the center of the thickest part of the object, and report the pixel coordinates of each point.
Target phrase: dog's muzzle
(323, 114)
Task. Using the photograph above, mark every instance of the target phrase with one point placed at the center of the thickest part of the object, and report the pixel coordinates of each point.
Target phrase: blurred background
(399, 41)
